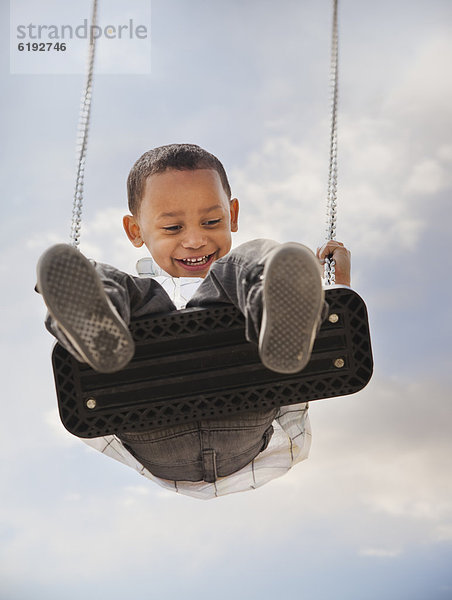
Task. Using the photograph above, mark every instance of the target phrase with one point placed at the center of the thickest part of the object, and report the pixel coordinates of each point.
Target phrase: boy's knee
(258, 248)
(114, 284)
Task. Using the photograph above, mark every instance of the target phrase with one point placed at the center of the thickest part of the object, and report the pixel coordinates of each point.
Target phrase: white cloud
(282, 188)
(421, 97)
(445, 153)
(427, 177)
(381, 552)
(444, 532)
(59, 433)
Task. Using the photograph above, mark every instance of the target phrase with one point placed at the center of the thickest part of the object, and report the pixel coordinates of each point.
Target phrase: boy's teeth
(196, 261)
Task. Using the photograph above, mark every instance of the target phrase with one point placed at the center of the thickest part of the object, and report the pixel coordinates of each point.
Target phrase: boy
(182, 211)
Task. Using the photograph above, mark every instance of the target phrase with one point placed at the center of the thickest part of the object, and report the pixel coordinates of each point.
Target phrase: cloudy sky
(369, 515)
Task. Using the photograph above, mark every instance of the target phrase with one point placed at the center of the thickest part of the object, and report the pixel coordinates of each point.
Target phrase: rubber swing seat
(195, 364)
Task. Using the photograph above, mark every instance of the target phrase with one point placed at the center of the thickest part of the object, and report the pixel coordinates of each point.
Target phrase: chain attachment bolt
(91, 403)
(333, 318)
(339, 363)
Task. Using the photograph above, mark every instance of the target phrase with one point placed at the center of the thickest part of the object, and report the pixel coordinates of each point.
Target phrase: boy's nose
(194, 240)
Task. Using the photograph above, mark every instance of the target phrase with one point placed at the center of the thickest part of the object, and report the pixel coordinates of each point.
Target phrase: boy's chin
(196, 274)
(178, 272)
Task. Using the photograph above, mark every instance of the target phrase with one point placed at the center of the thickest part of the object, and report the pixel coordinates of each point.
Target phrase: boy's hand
(342, 257)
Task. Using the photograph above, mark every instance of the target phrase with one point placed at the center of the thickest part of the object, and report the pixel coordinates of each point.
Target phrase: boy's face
(185, 220)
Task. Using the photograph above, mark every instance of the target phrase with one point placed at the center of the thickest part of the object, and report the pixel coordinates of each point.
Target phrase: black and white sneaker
(293, 300)
(74, 295)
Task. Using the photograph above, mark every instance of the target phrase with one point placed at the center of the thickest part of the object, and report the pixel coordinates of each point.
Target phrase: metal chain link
(82, 137)
(331, 206)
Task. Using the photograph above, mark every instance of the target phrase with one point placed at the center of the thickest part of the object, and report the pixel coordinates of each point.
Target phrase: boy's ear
(234, 209)
(132, 229)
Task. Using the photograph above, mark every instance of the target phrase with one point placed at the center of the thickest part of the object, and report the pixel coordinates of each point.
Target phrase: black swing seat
(196, 364)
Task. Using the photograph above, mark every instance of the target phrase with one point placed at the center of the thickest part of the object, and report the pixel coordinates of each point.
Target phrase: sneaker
(292, 301)
(75, 297)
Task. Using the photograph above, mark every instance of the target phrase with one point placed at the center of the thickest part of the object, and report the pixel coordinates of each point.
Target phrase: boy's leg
(90, 306)
(278, 288)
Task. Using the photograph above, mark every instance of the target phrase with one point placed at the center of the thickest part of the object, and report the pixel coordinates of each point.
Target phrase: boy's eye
(212, 222)
(172, 228)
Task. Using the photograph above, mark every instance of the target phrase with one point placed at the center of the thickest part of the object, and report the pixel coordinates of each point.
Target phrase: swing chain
(82, 137)
(331, 211)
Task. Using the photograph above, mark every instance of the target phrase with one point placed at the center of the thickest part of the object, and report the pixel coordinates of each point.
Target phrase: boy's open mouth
(198, 263)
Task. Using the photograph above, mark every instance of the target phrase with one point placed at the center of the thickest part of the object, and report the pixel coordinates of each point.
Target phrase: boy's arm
(342, 257)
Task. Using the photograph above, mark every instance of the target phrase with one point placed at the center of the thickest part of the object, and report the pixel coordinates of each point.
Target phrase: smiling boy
(182, 210)
(185, 220)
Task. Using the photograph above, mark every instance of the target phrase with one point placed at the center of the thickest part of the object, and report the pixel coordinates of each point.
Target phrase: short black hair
(182, 157)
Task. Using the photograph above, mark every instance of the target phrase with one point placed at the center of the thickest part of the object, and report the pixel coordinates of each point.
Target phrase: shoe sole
(75, 297)
(293, 299)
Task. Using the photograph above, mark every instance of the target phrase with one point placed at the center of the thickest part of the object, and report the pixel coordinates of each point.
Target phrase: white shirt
(289, 445)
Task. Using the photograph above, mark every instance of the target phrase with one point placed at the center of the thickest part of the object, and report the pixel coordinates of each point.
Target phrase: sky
(369, 514)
